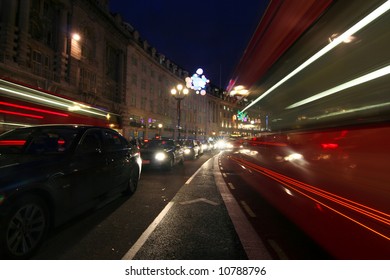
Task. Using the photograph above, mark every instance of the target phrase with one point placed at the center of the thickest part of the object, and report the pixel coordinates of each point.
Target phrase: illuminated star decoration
(197, 82)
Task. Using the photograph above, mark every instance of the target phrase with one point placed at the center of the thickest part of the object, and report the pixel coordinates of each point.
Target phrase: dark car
(161, 153)
(191, 148)
(51, 173)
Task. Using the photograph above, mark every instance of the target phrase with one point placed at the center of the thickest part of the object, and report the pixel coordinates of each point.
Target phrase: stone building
(80, 51)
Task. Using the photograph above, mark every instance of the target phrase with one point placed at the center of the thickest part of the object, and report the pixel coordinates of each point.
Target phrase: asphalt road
(199, 222)
(109, 232)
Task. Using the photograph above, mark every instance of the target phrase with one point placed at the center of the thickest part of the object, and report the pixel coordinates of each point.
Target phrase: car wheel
(133, 182)
(24, 227)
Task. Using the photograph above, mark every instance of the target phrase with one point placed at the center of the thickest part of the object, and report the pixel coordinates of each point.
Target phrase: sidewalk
(196, 224)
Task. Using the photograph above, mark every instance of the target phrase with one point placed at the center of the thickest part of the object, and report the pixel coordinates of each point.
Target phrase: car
(161, 153)
(201, 148)
(207, 146)
(52, 173)
(191, 149)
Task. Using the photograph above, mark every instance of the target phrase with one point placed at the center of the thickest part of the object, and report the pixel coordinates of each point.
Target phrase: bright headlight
(293, 157)
(221, 144)
(187, 151)
(160, 156)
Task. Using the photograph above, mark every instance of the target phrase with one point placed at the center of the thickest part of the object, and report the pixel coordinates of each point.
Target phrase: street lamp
(179, 93)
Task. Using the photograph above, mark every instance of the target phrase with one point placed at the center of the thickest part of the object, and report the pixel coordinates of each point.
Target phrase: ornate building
(80, 51)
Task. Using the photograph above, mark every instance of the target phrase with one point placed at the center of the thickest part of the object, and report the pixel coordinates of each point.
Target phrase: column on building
(8, 14)
(24, 23)
(62, 55)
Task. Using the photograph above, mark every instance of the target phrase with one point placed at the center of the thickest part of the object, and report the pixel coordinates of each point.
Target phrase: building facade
(80, 51)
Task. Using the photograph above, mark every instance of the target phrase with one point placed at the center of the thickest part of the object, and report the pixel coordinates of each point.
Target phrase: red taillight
(12, 142)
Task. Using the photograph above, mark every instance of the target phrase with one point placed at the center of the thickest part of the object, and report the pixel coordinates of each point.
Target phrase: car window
(158, 144)
(114, 141)
(37, 140)
(91, 142)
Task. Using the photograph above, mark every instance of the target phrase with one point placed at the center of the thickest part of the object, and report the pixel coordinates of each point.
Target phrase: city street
(195, 224)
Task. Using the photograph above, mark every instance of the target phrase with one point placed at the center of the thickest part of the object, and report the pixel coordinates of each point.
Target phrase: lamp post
(179, 93)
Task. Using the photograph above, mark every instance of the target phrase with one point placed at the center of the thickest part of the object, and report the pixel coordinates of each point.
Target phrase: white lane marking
(145, 235)
(251, 242)
(197, 171)
(279, 251)
(199, 200)
(231, 186)
(224, 175)
(248, 209)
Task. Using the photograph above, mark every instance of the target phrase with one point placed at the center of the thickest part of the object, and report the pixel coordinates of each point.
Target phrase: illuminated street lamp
(179, 93)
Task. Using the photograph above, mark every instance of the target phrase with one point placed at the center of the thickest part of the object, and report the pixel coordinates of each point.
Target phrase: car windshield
(36, 140)
(189, 143)
(158, 144)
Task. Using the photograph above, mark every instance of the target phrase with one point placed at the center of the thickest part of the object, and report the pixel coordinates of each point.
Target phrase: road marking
(197, 171)
(251, 242)
(248, 209)
(279, 251)
(145, 235)
(224, 175)
(231, 186)
(199, 200)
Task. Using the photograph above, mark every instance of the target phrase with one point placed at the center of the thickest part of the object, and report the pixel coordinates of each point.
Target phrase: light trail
(309, 190)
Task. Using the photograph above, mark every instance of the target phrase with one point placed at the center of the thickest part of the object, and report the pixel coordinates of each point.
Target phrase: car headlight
(221, 144)
(187, 151)
(160, 156)
(229, 146)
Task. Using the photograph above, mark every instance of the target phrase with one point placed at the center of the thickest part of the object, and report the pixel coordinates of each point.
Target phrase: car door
(89, 168)
(118, 160)
(178, 150)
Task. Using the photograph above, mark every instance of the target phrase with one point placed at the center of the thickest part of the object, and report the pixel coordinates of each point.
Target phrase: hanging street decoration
(242, 116)
(197, 82)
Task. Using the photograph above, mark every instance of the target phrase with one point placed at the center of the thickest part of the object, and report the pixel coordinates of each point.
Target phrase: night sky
(207, 34)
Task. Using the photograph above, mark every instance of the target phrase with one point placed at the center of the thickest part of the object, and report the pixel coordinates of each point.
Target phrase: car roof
(78, 127)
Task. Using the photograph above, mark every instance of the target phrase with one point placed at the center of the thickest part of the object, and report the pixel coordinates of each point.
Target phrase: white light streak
(358, 81)
(347, 34)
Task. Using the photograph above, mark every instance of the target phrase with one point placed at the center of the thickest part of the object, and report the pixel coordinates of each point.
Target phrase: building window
(133, 100)
(144, 68)
(88, 44)
(87, 80)
(151, 103)
(143, 84)
(113, 62)
(43, 18)
(143, 103)
(40, 64)
(134, 60)
(134, 79)
(151, 90)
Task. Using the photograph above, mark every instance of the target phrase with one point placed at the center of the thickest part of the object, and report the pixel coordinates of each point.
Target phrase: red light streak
(12, 142)
(33, 109)
(301, 187)
(21, 114)
(330, 145)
